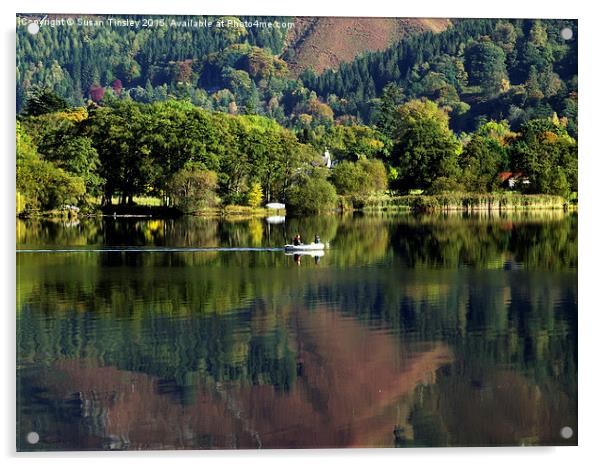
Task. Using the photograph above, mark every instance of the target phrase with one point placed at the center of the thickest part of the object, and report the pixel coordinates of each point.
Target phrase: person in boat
(297, 240)
(317, 239)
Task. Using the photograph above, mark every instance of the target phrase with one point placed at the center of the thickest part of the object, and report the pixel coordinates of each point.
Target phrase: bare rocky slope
(325, 42)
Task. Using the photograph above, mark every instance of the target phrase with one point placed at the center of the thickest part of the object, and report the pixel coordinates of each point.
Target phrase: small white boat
(305, 247)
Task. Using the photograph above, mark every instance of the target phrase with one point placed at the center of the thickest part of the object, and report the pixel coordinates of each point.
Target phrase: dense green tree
(350, 142)
(178, 132)
(547, 155)
(191, 189)
(425, 148)
(41, 184)
(505, 36)
(486, 155)
(392, 97)
(41, 100)
(485, 63)
(311, 194)
(60, 140)
(120, 140)
(78, 156)
(361, 178)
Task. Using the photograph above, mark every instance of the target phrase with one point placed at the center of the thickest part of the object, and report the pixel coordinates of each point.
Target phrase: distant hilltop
(326, 42)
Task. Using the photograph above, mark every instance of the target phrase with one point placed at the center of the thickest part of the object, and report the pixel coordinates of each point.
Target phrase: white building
(327, 159)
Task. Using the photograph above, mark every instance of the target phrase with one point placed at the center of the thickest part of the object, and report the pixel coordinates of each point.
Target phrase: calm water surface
(409, 331)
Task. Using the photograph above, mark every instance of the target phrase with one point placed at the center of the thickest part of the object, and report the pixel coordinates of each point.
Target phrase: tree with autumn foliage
(255, 195)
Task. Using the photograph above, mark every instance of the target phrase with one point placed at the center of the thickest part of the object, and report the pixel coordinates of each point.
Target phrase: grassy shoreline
(459, 202)
(156, 211)
(467, 202)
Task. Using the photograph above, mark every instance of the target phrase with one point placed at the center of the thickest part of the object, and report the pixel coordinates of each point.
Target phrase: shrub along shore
(455, 202)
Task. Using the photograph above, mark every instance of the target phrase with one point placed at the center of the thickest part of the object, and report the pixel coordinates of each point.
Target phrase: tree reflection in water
(445, 330)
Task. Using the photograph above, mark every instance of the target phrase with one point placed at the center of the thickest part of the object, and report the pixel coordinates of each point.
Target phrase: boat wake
(148, 249)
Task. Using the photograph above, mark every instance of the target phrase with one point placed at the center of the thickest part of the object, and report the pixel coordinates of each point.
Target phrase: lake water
(409, 331)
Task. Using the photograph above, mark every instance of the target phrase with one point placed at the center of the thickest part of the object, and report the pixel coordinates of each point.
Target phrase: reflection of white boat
(275, 219)
(304, 253)
(304, 247)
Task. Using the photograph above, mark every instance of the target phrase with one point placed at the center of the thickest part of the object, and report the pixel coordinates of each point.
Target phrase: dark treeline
(78, 61)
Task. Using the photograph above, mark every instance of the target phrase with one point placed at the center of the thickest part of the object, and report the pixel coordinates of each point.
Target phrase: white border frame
(590, 320)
